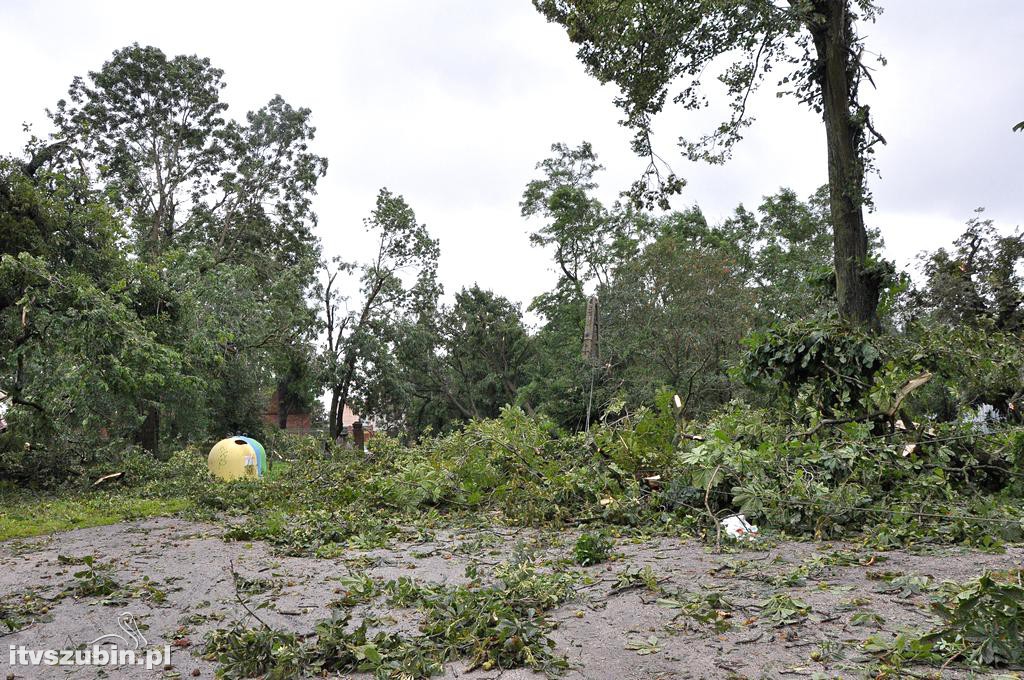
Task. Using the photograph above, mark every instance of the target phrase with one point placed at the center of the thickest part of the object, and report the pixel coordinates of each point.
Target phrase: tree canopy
(659, 50)
(161, 278)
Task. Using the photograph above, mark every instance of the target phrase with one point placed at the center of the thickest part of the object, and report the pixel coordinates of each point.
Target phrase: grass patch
(173, 489)
(24, 516)
(280, 469)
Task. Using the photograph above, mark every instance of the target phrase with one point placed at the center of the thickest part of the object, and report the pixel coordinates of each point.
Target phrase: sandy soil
(192, 565)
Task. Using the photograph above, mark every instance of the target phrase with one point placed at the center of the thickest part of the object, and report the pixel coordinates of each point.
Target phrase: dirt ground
(620, 634)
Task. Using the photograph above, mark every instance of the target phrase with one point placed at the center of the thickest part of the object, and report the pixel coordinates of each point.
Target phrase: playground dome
(237, 458)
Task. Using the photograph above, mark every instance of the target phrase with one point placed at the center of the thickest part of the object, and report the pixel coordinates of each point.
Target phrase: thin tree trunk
(333, 423)
(148, 434)
(342, 393)
(282, 406)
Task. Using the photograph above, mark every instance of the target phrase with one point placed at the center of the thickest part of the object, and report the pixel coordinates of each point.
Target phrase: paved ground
(604, 632)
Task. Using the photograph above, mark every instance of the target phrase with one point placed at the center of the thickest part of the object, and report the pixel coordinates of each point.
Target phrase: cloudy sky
(452, 102)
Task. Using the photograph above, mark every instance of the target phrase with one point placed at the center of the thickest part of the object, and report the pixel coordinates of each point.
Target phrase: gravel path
(189, 565)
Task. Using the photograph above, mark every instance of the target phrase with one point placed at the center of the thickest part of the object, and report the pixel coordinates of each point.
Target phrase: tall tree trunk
(857, 289)
(339, 396)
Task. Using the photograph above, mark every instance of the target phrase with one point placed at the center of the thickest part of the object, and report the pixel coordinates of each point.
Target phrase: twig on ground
(238, 596)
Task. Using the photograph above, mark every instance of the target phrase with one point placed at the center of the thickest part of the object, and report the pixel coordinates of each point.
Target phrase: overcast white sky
(452, 102)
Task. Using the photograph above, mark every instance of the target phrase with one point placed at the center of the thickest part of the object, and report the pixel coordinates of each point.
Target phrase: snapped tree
(648, 47)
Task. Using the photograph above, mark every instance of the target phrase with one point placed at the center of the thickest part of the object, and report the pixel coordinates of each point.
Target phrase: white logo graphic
(112, 649)
(132, 635)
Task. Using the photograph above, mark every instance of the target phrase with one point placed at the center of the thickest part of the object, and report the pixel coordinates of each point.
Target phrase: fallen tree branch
(908, 387)
(106, 478)
(841, 421)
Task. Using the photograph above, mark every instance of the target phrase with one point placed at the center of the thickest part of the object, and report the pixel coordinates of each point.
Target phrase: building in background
(300, 421)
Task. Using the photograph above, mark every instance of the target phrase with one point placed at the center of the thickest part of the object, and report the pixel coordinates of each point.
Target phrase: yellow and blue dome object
(237, 458)
(261, 455)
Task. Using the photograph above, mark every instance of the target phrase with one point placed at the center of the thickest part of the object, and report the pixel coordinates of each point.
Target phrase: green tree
(221, 209)
(297, 383)
(153, 130)
(76, 340)
(674, 317)
(359, 339)
(979, 282)
(783, 251)
(649, 48)
(588, 241)
(587, 238)
(465, 361)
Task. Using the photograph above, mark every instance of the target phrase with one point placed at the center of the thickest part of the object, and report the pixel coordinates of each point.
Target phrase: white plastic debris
(739, 528)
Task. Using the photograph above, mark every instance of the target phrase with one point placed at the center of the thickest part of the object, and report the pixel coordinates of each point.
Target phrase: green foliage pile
(520, 468)
(650, 469)
(707, 609)
(981, 624)
(500, 625)
(846, 446)
(592, 548)
(982, 620)
(824, 366)
(19, 610)
(94, 579)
